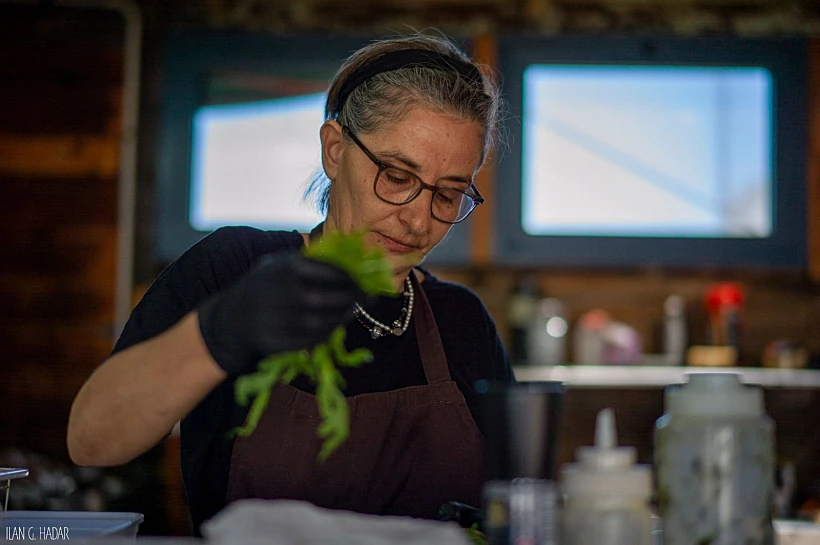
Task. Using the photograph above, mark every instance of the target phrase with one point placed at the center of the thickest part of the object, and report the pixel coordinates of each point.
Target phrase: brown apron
(409, 450)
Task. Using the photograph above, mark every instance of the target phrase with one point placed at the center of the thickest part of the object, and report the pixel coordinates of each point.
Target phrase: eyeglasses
(397, 186)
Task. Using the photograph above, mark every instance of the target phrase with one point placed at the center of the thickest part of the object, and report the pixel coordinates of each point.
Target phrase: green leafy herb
(371, 271)
(477, 537)
(367, 266)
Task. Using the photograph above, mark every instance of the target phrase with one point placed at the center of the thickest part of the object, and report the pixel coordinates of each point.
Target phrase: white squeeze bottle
(606, 495)
(714, 454)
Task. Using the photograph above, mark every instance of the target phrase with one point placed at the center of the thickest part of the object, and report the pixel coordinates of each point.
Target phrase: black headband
(404, 58)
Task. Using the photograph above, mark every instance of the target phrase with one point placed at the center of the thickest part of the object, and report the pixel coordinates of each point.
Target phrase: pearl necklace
(378, 329)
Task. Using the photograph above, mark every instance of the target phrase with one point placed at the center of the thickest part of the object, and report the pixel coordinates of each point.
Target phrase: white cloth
(287, 522)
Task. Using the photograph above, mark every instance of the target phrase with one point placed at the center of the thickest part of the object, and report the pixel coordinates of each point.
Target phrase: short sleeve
(211, 265)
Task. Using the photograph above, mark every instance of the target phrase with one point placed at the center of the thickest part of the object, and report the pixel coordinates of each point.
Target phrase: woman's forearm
(136, 396)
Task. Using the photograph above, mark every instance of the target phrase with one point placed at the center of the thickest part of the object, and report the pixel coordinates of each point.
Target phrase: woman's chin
(401, 264)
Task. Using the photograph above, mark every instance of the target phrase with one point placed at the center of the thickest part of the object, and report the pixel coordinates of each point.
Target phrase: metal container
(521, 424)
(59, 525)
(67, 525)
(8, 474)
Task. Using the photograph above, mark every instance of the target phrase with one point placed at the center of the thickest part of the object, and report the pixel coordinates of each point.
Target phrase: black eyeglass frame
(476, 198)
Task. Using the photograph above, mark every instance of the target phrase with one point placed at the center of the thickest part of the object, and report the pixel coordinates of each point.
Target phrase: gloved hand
(288, 302)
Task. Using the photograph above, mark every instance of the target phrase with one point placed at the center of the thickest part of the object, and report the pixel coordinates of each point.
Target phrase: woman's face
(442, 150)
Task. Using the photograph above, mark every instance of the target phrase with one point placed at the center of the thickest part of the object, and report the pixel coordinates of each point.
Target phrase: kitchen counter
(649, 376)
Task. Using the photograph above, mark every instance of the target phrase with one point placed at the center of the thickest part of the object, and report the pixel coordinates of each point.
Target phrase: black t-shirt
(471, 343)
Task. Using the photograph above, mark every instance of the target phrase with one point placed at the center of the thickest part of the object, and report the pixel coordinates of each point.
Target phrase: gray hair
(388, 96)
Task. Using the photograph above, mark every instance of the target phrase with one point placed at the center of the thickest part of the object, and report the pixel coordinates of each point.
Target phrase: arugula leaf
(476, 536)
(367, 266)
(344, 358)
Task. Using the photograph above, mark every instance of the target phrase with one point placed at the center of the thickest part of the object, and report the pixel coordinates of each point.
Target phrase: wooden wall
(61, 76)
(60, 81)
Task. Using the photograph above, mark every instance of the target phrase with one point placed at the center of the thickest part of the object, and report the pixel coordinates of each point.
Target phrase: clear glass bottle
(674, 330)
(714, 456)
(520, 313)
(521, 511)
(546, 337)
(606, 494)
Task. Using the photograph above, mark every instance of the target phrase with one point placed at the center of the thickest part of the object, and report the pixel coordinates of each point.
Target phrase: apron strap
(431, 349)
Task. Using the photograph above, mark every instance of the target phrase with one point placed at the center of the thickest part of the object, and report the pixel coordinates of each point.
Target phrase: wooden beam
(59, 156)
(813, 166)
(481, 222)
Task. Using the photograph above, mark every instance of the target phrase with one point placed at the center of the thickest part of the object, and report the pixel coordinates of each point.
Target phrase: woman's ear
(331, 137)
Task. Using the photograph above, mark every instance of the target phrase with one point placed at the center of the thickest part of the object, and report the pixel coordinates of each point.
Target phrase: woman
(409, 122)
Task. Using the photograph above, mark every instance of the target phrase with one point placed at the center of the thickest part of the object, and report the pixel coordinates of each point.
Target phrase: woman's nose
(416, 213)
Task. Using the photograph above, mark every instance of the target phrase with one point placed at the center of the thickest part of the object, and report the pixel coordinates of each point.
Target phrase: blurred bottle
(588, 339)
(600, 340)
(714, 457)
(522, 511)
(546, 338)
(521, 424)
(675, 331)
(724, 304)
(785, 485)
(520, 314)
(606, 494)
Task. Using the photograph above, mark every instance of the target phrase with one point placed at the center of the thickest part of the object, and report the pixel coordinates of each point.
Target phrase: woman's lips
(396, 246)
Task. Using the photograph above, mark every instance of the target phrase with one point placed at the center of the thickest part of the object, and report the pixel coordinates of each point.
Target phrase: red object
(595, 320)
(723, 295)
(724, 303)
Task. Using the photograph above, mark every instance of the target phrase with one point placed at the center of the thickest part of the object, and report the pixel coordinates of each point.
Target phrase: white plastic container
(714, 456)
(606, 495)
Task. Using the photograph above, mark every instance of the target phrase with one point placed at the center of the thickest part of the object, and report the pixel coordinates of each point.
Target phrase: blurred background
(656, 204)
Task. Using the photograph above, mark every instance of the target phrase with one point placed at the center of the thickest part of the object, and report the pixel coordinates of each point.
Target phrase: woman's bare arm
(136, 396)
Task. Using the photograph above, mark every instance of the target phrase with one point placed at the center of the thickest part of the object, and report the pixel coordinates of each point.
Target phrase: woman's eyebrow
(401, 158)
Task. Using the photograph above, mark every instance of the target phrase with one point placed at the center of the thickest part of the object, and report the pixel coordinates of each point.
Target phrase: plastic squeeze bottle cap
(607, 470)
(714, 394)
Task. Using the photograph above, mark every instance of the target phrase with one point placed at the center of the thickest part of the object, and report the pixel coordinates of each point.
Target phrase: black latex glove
(288, 302)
